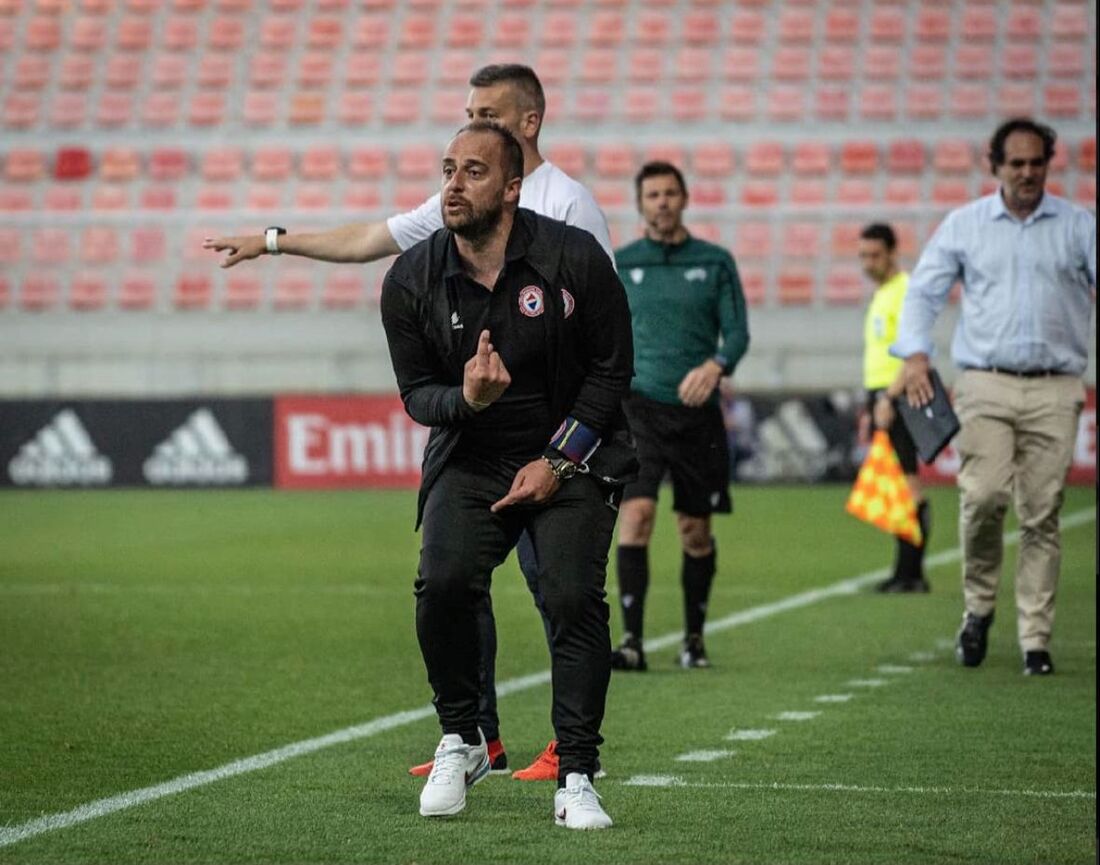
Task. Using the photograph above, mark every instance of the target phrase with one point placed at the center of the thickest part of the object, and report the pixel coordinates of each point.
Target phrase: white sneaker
(577, 805)
(456, 767)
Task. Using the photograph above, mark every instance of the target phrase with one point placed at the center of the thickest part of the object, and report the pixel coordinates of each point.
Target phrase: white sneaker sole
(560, 820)
(480, 775)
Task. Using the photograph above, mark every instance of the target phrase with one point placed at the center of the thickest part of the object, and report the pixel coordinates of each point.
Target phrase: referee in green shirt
(690, 328)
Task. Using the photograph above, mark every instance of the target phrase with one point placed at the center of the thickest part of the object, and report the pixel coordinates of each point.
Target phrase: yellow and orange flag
(881, 496)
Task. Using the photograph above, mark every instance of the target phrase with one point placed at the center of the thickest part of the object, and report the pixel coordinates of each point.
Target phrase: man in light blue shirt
(1027, 263)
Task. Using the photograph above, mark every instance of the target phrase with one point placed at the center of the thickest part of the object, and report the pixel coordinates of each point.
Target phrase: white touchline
(796, 716)
(833, 698)
(102, 807)
(675, 781)
(704, 756)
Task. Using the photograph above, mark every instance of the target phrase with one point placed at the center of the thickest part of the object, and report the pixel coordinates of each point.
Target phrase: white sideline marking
(102, 807)
(866, 683)
(922, 657)
(893, 669)
(704, 756)
(833, 698)
(796, 716)
(748, 735)
(675, 781)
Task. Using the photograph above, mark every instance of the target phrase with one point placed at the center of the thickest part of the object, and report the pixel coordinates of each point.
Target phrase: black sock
(633, 584)
(924, 517)
(696, 577)
(471, 738)
(909, 564)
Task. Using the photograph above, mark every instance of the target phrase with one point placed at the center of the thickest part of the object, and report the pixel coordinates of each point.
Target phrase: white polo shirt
(547, 190)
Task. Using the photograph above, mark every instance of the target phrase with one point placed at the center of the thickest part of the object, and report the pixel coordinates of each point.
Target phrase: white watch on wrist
(271, 238)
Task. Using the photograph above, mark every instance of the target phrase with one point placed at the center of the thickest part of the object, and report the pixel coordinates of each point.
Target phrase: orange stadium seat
(5, 292)
(25, 165)
(307, 109)
(88, 292)
(844, 239)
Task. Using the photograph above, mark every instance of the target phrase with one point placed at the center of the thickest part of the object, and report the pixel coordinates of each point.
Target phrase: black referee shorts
(903, 443)
(687, 444)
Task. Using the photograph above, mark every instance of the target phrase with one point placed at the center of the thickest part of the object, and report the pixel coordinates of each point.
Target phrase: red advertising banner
(330, 442)
(1082, 471)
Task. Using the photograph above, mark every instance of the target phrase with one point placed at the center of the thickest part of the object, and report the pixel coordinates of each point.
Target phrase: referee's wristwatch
(271, 238)
(562, 467)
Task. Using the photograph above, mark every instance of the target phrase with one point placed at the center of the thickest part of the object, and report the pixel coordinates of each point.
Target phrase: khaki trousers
(1016, 444)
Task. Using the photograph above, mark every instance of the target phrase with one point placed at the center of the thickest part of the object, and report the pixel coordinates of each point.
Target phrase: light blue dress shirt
(1029, 287)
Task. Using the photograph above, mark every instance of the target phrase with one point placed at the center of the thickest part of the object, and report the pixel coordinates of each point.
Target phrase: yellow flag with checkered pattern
(881, 496)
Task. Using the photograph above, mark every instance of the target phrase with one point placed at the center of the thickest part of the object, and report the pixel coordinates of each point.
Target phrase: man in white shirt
(510, 96)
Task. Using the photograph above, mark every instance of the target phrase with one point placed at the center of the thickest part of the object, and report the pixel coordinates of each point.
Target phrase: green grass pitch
(145, 636)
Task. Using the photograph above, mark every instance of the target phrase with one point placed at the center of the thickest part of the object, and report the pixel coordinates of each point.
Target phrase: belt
(1018, 373)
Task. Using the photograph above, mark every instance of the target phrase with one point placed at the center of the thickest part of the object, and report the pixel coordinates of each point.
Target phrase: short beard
(478, 226)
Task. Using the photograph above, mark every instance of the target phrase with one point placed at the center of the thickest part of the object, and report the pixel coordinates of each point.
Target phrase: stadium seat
(307, 109)
(764, 158)
(1071, 21)
(559, 30)
(842, 25)
(88, 292)
(314, 70)
(123, 71)
(953, 156)
(811, 157)
(741, 63)
(168, 163)
(511, 31)
(76, 72)
(370, 163)
(114, 109)
(32, 71)
(752, 240)
(928, 62)
(364, 69)
(791, 63)
(408, 68)
(831, 103)
(837, 62)
(325, 32)
(808, 192)
(222, 164)
(192, 291)
(277, 33)
(408, 195)
(612, 194)
(747, 26)
(180, 34)
(1084, 192)
(1066, 61)
(933, 24)
(39, 292)
(169, 71)
(355, 109)
(801, 240)
(25, 165)
(265, 196)
(293, 290)
(843, 286)
(207, 109)
(951, 192)
(158, 197)
(970, 101)
(1019, 60)
(795, 24)
(20, 111)
(14, 199)
(568, 156)
(701, 28)
(598, 66)
(615, 160)
(653, 28)
(877, 102)
(1024, 22)
(973, 62)
(10, 245)
(42, 34)
(665, 152)
(313, 196)
(147, 244)
(160, 109)
(689, 104)
(902, 190)
(320, 162)
(646, 64)
(859, 157)
(979, 22)
(844, 239)
(1062, 100)
(692, 64)
(754, 284)
(401, 106)
(759, 194)
(605, 28)
(1086, 155)
(361, 196)
(371, 31)
(708, 193)
(795, 286)
(119, 164)
(137, 291)
(134, 33)
(99, 245)
(111, 197)
(592, 105)
(713, 159)
(855, 192)
(50, 246)
(342, 290)
(418, 162)
(63, 198)
(87, 34)
(242, 291)
(887, 25)
(923, 102)
(785, 103)
(905, 156)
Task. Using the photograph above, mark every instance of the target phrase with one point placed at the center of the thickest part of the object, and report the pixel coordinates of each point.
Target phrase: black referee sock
(696, 578)
(910, 558)
(633, 583)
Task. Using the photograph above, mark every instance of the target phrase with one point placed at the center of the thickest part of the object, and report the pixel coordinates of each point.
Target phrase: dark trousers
(487, 717)
(463, 542)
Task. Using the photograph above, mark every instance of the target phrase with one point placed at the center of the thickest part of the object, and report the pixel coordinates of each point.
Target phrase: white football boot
(577, 804)
(456, 767)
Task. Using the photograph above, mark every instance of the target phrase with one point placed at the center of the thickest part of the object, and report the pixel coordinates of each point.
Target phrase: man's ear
(531, 124)
(512, 190)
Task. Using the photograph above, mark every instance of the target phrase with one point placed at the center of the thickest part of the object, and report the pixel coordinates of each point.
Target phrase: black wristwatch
(271, 238)
(562, 467)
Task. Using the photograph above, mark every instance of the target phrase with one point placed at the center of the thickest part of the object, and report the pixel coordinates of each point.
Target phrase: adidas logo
(61, 453)
(197, 452)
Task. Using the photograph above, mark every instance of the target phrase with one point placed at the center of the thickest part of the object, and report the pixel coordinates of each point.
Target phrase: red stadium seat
(592, 105)
(158, 198)
(754, 284)
(881, 63)
(99, 245)
(1071, 21)
(1019, 60)
(653, 28)
(741, 63)
(10, 242)
(859, 157)
(1062, 100)
(928, 62)
(554, 65)
(1066, 61)
(14, 199)
(844, 239)
(88, 292)
(417, 31)
(605, 28)
(759, 194)
(265, 196)
(689, 104)
(20, 111)
(207, 109)
(361, 196)
(692, 64)
(831, 103)
(307, 109)
(314, 70)
(878, 102)
(1024, 22)
(1086, 155)
(598, 66)
(837, 62)
(272, 163)
(902, 190)
(42, 34)
(222, 164)
(887, 25)
(63, 198)
(933, 24)
(905, 156)
(88, 34)
(293, 290)
(1084, 192)
(216, 197)
(923, 102)
(842, 25)
(342, 291)
(137, 291)
(737, 102)
(5, 292)
(701, 28)
(147, 244)
(764, 158)
(666, 152)
(242, 291)
(808, 192)
(364, 69)
(32, 71)
(785, 103)
(951, 192)
(180, 34)
(615, 160)
(567, 156)
(611, 194)
(752, 240)
(713, 159)
(111, 197)
(418, 162)
(123, 71)
(401, 106)
(50, 246)
(970, 101)
(321, 162)
(646, 64)
(355, 109)
(511, 31)
(276, 33)
(134, 34)
(811, 157)
(1016, 100)
(325, 32)
(979, 22)
(795, 286)
(39, 292)
(76, 73)
(169, 71)
(974, 62)
(801, 240)
(192, 291)
(409, 68)
(708, 193)
(844, 285)
(370, 163)
(371, 31)
(747, 26)
(25, 165)
(559, 29)
(855, 192)
(791, 63)
(796, 25)
(115, 109)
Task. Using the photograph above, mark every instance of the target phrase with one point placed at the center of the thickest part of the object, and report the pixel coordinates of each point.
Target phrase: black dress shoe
(1038, 664)
(973, 639)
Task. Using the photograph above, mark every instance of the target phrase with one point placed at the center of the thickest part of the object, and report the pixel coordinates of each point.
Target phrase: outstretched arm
(349, 243)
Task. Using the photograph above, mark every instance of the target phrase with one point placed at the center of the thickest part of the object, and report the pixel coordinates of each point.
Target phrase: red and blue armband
(575, 441)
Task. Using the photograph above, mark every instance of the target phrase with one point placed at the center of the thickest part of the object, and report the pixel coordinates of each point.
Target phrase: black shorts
(690, 445)
(899, 437)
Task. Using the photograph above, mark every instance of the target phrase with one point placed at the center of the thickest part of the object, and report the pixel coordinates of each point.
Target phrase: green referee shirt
(686, 305)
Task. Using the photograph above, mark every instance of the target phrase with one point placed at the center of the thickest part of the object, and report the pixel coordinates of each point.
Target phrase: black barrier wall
(127, 443)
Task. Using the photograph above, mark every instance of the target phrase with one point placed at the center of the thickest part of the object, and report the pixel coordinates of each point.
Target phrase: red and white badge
(530, 301)
(567, 299)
